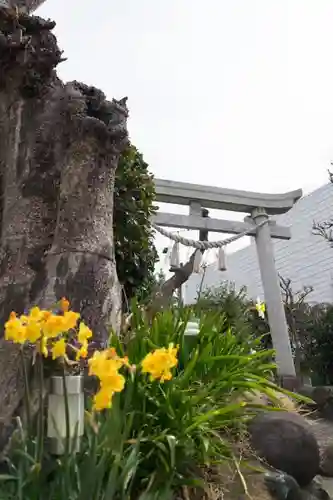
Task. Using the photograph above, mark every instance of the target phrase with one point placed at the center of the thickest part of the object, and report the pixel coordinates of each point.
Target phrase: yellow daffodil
(34, 324)
(59, 349)
(261, 308)
(64, 304)
(84, 333)
(109, 384)
(114, 381)
(102, 399)
(70, 319)
(112, 354)
(101, 365)
(36, 314)
(15, 330)
(53, 326)
(33, 331)
(158, 364)
(96, 363)
(12, 327)
(105, 365)
(83, 351)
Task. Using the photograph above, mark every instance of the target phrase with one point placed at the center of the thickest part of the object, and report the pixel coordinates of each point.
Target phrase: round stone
(286, 442)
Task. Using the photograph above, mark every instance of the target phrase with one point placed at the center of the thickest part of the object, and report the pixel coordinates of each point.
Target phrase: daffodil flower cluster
(158, 364)
(52, 334)
(49, 331)
(106, 365)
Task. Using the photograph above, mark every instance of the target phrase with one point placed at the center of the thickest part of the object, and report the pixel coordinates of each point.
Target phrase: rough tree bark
(59, 149)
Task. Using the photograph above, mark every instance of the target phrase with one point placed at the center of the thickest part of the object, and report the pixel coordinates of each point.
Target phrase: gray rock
(326, 466)
(287, 443)
(321, 395)
(326, 483)
(323, 399)
(315, 491)
(281, 486)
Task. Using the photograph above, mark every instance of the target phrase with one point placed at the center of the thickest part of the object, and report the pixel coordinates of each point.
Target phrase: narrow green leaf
(7, 477)
(213, 414)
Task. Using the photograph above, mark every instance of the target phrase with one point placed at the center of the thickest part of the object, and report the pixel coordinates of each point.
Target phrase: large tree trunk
(59, 149)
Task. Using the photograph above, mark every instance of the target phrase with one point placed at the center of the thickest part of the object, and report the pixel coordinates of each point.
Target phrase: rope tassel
(174, 258)
(197, 261)
(221, 265)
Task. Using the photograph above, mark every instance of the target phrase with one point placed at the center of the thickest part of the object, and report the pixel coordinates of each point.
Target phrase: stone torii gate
(259, 206)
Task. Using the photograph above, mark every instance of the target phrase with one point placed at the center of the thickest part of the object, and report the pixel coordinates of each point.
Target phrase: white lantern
(56, 417)
(192, 328)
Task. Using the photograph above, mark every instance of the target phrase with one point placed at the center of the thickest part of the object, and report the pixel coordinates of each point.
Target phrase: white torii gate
(259, 206)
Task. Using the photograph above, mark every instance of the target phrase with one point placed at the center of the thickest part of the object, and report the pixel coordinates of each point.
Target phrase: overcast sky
(232, 93)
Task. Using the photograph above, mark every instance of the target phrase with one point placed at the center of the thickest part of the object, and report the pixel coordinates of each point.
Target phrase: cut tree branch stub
(162, 296)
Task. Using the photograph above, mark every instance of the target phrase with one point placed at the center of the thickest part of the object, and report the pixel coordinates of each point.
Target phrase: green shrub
(135, 252)
(156, 436)
(238, 310)
(319, 348)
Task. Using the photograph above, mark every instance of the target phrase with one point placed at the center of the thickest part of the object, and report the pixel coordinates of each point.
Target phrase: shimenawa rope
(206, 245)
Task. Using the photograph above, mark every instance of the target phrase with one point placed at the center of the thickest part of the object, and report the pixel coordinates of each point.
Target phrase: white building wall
(306, 259)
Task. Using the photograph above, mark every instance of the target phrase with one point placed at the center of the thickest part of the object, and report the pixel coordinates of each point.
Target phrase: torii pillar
(274, 303)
